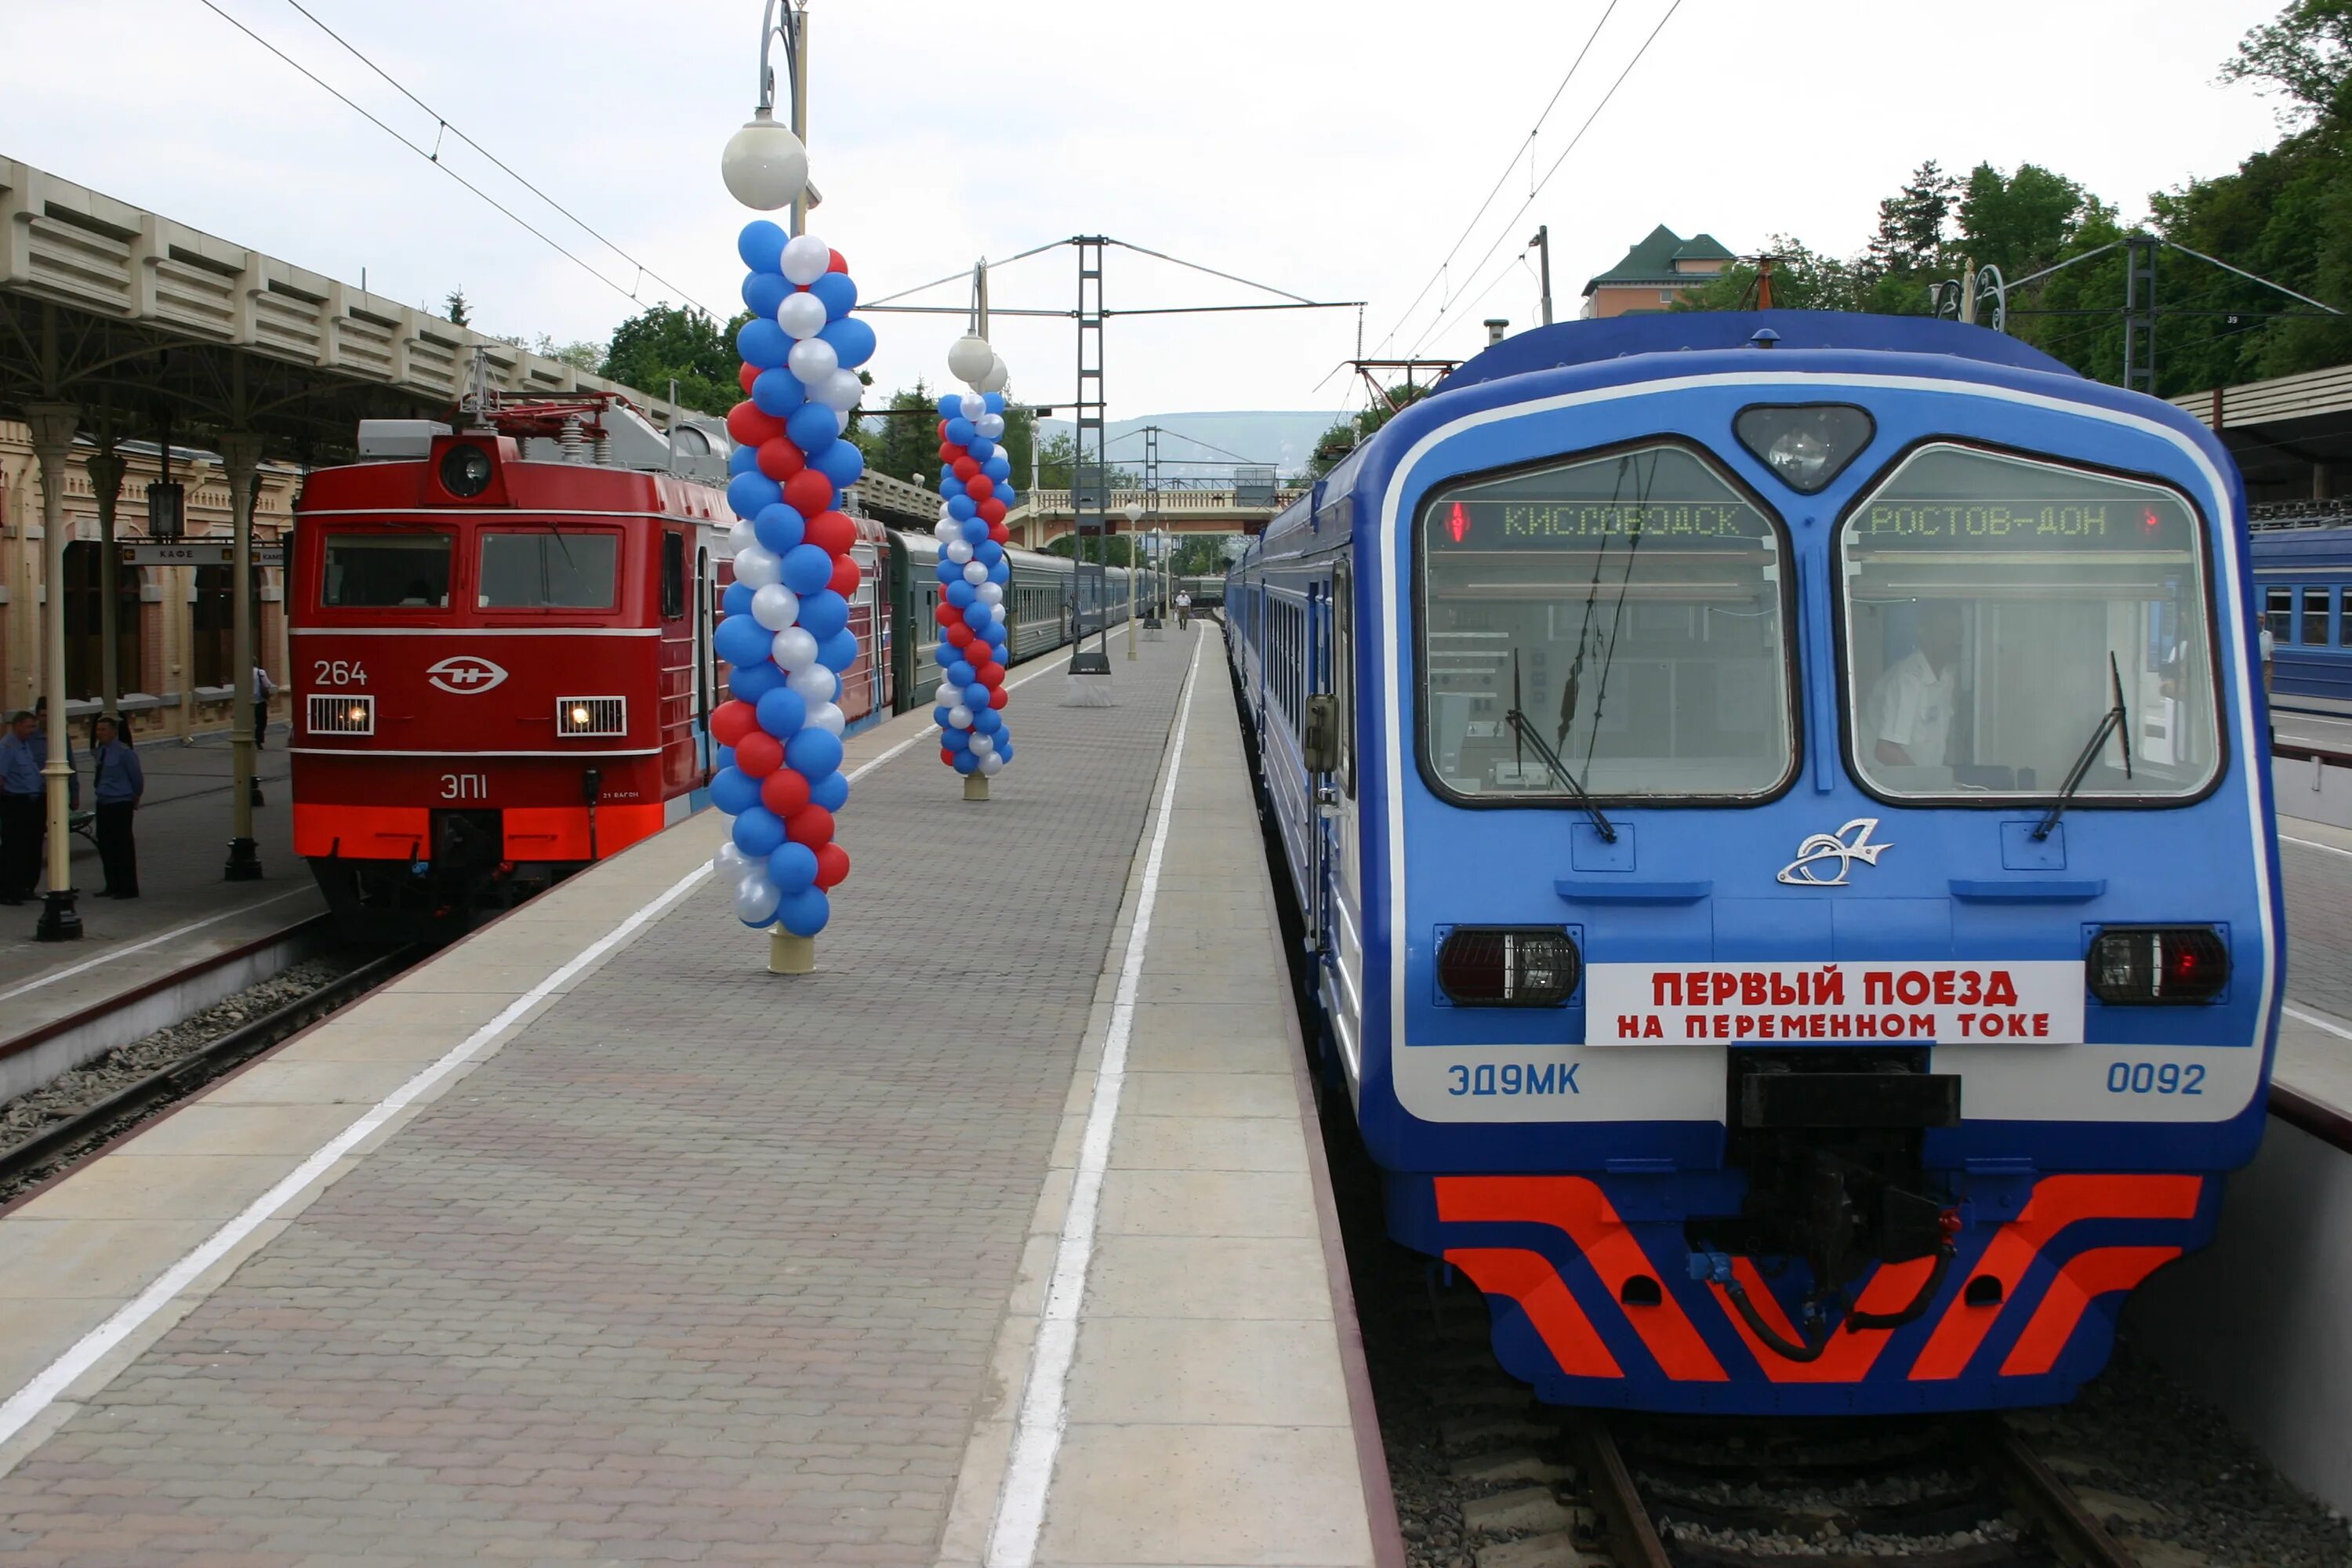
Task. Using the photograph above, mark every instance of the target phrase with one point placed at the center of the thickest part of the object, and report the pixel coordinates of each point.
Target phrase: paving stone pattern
(2319, 927)
(704, 1266)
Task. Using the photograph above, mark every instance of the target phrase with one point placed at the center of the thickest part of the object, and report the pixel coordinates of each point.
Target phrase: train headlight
(1805, 445)
(592, 716)
(466, 470)
(1509, 966)
(2150, 966)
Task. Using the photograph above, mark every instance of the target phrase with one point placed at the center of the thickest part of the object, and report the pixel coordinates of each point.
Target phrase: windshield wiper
(1528, 734)
(2109, 722)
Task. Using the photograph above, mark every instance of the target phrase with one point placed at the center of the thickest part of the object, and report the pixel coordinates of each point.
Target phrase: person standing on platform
(263, 689)
(22, 823)
(1183, 609)
(117, 785)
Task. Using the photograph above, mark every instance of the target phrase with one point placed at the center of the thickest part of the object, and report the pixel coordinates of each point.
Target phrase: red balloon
(959, 635)
(831, 531)
(947, 756)
(746, 376)
(831, 865)
(990, 674)
(734, 719)
(998, 533)
(749, 427)
(759, 753)
(979, 487)
(845, 576)
(943, 437)
(947, 615)
(808, 492)
(811, 824)
(967, 468)
(999, 698)
(835, 264)
(780, 459)
(992, 511)
(950, 451)
(783, 792)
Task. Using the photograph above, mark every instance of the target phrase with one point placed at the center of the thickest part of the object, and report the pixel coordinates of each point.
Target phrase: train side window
(1343, 669)
(548, 570)
(2278, 613)
(386, 571)
(2315, 618)
(673, 581)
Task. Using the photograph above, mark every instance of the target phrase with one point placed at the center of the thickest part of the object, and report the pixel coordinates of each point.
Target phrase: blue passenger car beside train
(2303, 572)
(1777, 808)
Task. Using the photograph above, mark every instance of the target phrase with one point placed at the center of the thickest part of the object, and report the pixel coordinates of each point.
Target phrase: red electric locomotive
(501, 648)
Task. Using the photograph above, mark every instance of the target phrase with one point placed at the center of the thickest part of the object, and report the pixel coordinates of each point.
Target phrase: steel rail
(1632, 1538)
(2067, 1527)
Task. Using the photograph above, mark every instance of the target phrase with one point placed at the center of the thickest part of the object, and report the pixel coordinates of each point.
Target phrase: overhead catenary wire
(502, 207)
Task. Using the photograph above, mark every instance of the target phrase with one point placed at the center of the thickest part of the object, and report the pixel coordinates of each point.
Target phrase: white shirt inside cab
(1911, 707)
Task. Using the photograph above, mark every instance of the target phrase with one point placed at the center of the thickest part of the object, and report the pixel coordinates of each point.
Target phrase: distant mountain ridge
(1205, 446)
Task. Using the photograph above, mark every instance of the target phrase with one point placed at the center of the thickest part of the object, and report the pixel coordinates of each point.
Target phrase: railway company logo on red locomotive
(1836, 1003)
(464, 673)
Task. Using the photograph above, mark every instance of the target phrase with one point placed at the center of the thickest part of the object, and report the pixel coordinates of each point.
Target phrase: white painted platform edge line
(2316, 1021)
(1037, 1433)
(2284, 838)
(27, 1403)
(54, 976)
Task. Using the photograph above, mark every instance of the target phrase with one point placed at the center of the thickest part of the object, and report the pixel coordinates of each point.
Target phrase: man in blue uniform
(22, 821)
(120, 781)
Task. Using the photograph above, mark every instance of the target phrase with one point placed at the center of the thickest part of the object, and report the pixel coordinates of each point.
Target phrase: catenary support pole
(241, 456)
(53, 427)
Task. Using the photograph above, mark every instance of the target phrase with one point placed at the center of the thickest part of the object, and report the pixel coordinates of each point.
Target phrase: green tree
(454, 306)
(2304, 55)
(663, 342)
(583, 355)
(1910, 236)
(2022, 222)
(1803, 280)
(1345, 435)
(903, 441)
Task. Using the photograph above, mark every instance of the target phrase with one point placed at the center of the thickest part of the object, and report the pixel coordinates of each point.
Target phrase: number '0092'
(2155, 1078)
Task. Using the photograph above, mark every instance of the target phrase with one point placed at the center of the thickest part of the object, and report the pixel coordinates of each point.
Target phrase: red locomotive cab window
(548, 569)
(673, 576)
(386, 571)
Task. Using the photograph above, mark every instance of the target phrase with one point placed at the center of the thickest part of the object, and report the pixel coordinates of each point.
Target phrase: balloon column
(975, 482)
(785, 631)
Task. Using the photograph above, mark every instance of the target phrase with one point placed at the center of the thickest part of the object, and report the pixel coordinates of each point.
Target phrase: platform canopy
(2291, 435)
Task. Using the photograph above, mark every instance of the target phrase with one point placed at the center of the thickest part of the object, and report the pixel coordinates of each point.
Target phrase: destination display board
(1655, 496)
(2127, 522)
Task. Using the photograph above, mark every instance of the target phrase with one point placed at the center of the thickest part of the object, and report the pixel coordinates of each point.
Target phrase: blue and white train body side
(1906, 975)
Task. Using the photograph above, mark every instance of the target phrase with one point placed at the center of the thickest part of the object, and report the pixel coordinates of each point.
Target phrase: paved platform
(184, 911)
(589, 1240)
(2314, 1051)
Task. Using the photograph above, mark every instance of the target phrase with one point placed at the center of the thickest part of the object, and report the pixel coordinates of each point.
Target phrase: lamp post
(1134, 521)
(765, 165)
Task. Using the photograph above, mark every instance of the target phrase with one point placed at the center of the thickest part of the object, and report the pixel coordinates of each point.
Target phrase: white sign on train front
(1951, 1002)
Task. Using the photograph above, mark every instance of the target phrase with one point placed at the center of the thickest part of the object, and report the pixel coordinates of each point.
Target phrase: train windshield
(548, 569)
(1614, 624)
(386, 571)
(1998, 611)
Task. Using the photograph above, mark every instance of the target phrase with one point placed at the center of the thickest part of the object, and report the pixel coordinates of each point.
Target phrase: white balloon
(742, 536)
(991, 426)
(731, 864)
(974, 573)
(970, 357)
(812, 681)
(827, 717)
(983, 744)
(795, 648)
(775, 606)
(991, 593)
(756, 895)
(959, 551)
(758, 566)
(843, 391)
(991, 764)
(947, 695)
(801, 315)
(959, 716)
(996, 377)
(996, 612)
(949, 532)
(841, 418)
(805, 258)
(813, 362)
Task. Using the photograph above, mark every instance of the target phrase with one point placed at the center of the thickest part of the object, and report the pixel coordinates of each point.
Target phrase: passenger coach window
(1630, 608)
(2278, 613)
(1997, 609)
(2314, 616)
(548, 570)
(383, 571)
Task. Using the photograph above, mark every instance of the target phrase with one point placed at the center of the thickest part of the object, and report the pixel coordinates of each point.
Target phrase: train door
(706, 668)
(1318, 717)
(868, 602)
(1343, 898)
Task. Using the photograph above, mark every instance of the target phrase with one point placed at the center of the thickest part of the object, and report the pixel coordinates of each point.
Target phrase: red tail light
(1457, 522)
(1509, 966)
(2150, 966)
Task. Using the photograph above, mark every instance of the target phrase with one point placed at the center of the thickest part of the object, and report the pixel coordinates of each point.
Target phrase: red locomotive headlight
(2152, 965)
(466, 470)
(1509, 966)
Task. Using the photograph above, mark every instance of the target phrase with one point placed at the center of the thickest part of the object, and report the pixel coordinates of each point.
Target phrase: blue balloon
(804, 913)
(758, 831)
(777, 392)
(962, 507)
(994, 632)
(764, 291)
(724, 758)
(947, 571)
(753, 682)
(993, 401)
(747, 493)
(734, 791)
(960, 593)
(841, 462)
(950, 406)
(967, 762)
(813, 427)
(988, 552)
(951, 487)
(948, 653)
(975, 529)
(824, 612)
(831, 792)
(737, 600)
(1004, 750)
(791, 867)
(762, 343)
(959, 431)
(761, 245)
(838, 652)
(743, 460)
(741, 640)
(1001, 573)
(981, 447)
(938, 716)
(1009, 496)
(783, 713)
(953, 739)
(996, 466)
(808, 568)
(812, 754)
(975, 697)
(837, 292)
(780, 527)
(988, 720)
(851, 340)
(960, 673)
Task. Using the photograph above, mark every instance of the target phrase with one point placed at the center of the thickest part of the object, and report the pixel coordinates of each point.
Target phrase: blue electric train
(1775, 802)
(2302, 568)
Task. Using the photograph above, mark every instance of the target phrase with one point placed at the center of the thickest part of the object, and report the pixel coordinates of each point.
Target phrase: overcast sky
(1333, 149)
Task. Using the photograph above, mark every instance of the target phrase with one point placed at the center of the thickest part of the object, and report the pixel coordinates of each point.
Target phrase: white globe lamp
(970, 359)
(764, 164)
